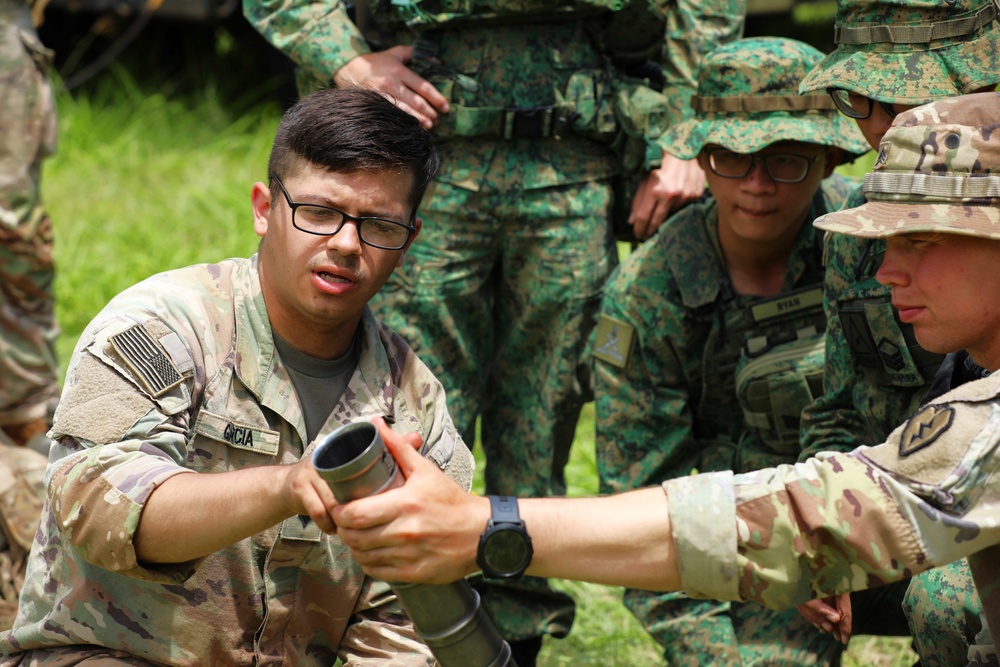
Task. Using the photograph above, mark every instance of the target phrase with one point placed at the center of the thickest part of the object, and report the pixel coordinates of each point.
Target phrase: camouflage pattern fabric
(28, 369)
(935, 172)
(671, 308)
(737, 107)
(943, 611)
(22, 494)
(290, 594)
(841, 522)
(911, 51)
(501, 289)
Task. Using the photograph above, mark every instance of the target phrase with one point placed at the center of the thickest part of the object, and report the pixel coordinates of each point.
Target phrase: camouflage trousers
(943, 611)
(28, 369)
(498, 295)
(22, 496)
(706, 632)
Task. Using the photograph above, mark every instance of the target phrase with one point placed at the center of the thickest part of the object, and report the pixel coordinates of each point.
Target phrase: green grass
(145, 182)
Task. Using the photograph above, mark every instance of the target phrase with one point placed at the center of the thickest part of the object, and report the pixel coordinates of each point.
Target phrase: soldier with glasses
(709, 342)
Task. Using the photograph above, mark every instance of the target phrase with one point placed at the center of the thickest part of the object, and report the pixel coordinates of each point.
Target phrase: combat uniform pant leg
(441, 300)
(28, 370)
(770, 638)
(557, 253)
(943, 610)
(691, 632)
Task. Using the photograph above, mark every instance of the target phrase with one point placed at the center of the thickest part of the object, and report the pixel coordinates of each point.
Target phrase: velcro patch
(146, 358)
(925, 427)
(613, 342)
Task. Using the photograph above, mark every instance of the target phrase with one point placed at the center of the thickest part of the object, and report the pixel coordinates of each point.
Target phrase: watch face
(506, 551)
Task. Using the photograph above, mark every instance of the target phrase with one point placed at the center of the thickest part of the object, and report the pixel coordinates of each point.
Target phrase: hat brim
(749, 134)
(881, 219)
(911, 76)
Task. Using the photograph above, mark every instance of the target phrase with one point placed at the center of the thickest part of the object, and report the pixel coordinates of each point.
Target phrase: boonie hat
(937, 170)
(911, 51)
(748, 98)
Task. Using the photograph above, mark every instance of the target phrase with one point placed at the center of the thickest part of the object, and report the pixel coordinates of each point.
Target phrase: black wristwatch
(504, 547)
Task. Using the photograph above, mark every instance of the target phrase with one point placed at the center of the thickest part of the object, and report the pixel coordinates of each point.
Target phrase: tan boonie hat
(937, 170)
(748, 98)
(911, 51)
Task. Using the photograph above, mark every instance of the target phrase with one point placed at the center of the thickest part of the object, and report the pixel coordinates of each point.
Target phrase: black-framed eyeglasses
(780, 167)
(327, 221)
(857, 106)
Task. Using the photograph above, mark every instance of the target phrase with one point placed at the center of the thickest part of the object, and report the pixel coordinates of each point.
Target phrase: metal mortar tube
(448, 618)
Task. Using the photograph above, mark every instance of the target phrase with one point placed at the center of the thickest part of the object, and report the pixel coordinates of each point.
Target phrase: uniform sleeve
(695, 28)
(380, 634)
(644, 435)
(125, 433)
(839, 522)
(643, 422)
(318, 36)
(784, 535)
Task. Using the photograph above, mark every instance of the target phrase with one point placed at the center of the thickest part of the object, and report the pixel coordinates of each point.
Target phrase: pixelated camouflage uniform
(673, 329)
(179, 374)
(876, 374)
(28, 369)
(501, 289)
(926, 497)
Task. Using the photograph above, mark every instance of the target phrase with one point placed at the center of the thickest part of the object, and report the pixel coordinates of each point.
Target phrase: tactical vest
(762, 364)
(885, 348)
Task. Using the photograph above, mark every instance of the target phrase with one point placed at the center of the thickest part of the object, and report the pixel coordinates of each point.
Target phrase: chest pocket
(883, 346)
(779, 372)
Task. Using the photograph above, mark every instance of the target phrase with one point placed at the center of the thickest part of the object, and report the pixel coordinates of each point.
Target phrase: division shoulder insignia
(925, 427)
(146, 359)
(613, 341)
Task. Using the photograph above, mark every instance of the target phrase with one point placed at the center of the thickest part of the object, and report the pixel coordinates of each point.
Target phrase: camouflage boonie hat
(937, 170)
(748, 98)
(911, 51)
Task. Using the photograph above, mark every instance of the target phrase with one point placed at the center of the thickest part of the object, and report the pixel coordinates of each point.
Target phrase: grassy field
(145, 180)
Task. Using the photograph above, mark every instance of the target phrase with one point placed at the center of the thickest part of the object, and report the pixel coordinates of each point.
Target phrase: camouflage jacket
(206, 392)
(838, 522)
(876, 375)
(487, 67)
(668, 408)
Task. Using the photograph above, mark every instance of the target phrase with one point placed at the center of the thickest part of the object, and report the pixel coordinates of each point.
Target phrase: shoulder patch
(613, 341)
(150, 365)
(925, 427)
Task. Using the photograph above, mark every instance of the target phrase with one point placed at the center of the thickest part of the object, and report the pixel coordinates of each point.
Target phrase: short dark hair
(353, 130)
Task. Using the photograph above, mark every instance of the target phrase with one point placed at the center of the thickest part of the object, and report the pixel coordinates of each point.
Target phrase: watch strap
(504, 510)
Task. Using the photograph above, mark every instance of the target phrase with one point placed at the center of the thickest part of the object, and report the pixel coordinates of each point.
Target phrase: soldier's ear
(260, 199)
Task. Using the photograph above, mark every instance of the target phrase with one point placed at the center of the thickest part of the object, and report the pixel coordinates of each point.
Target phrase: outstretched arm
(428, 530)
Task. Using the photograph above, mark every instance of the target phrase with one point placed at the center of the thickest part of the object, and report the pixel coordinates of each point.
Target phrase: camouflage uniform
(206, 392)
(28, 369)
(501, 289)
(876, 374)
(926, 497)
(22, 494)
(673, 332)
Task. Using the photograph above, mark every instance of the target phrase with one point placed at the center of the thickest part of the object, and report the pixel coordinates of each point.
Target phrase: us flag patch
(147, 360)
